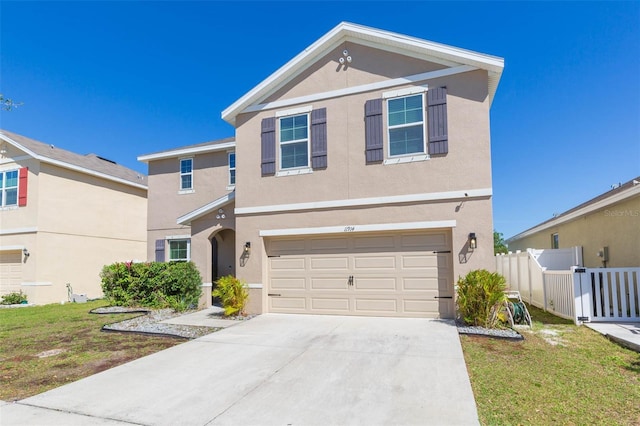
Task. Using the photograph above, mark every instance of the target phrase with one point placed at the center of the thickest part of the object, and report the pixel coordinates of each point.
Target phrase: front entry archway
(223, 254)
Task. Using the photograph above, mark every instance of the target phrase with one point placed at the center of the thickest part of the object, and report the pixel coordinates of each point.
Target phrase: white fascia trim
(621, 196)
(12, 248)
(12, 161)
(185, 152)
(207, 208)
(72, 166)
(14, 231)
(356, 202)
(400, 81)
(351, 229)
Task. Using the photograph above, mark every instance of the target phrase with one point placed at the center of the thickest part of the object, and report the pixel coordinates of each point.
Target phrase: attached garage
(10, 271)
(398, 274)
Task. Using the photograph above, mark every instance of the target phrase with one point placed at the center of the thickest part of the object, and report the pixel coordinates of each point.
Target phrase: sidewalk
(625, 334)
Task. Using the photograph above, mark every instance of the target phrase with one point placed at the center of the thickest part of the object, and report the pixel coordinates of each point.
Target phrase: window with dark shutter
(22, 187)
(319, 138)
(160, 251)
(373, 130)
(268, 146)
(437, 120)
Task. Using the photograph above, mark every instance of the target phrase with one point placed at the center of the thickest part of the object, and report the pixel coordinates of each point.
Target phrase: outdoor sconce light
(25, 252)
(473, 241)
(247, 248)
(221, 214)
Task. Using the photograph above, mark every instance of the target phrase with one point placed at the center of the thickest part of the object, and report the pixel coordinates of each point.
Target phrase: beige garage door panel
(10, 271)
(393, 274)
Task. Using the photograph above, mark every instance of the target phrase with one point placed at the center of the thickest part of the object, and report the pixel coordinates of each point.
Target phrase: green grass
(25, 333)
(560, 374)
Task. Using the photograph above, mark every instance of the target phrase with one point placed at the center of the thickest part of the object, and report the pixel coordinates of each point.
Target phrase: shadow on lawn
(538, 315)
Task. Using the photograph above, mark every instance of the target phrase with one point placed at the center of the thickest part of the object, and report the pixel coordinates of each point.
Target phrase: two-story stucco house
(364, 179)
(63, 216)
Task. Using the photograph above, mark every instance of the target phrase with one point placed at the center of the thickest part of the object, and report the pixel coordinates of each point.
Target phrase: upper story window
(9, 188)
(405, 123)
(232, 168)
(179, 250)
(555, 241)
(294, 141)
(186, 173)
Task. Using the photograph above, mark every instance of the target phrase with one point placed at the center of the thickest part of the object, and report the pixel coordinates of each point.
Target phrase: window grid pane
(178, 250)
(9, 188)
(405, 117)
(186, 173)
(294, 141)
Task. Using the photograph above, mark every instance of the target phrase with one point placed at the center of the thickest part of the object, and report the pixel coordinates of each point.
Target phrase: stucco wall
(616, 226)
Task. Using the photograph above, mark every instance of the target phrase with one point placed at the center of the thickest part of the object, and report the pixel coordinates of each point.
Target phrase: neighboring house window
(405, 119)
(186, 173)
(179, 250)
(294, 141)
(9, 188)
(232, 168)
(555, 241)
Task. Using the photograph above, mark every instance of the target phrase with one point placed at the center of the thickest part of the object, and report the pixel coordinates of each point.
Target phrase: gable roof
(90, 164)
(199, 148)
(207, 208)
(620, 193)
(372, 37)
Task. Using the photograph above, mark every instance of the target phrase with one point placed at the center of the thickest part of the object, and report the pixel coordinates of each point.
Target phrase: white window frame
(229, 154)
(178, 240)
(555, 241)
(3, 188)
(190, 189)
(418, 155)
(299, 169)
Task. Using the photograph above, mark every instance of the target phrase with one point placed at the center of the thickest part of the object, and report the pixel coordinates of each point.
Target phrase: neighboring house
(607, 227)
(63, 216)
(190, 208)
(364, 170)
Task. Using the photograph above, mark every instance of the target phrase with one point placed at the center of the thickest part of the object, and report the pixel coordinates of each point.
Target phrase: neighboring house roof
(200, 148)
(207, 208)
(90, 164)
(379, 39)
(620, 193)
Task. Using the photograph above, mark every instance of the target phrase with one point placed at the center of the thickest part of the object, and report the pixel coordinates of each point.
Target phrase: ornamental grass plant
(480, 297)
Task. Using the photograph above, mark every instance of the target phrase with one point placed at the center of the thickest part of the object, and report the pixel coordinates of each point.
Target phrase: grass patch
(560, 374)
(44, 347)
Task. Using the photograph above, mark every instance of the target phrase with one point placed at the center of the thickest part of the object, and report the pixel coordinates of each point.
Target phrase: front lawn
(559, 374)
(43, 347)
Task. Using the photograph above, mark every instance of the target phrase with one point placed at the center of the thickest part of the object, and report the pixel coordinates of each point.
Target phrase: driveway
(281, 370)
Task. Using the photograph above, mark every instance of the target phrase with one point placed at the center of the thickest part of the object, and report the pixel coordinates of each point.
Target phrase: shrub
(14, 298)
(232, 293)
(480, 296)
(174, 285)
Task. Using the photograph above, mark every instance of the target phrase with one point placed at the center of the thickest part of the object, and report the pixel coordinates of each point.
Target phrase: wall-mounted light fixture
(221, 214)
(473, 241)
(247, 248)
(345, 57)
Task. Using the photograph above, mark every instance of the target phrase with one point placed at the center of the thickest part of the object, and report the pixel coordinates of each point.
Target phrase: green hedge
(174, 285)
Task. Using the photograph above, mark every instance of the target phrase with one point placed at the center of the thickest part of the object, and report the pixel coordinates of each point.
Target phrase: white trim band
(186, 152)
(254, 285)
(356, 202)
(294, 111)
(351, 229)
(14, 231)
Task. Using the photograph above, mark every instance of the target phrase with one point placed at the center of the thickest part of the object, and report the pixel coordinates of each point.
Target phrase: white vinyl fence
(576, 293)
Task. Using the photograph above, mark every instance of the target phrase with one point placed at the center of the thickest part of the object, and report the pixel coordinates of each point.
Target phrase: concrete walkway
(625, 334)
(210, 317)
(277, 369)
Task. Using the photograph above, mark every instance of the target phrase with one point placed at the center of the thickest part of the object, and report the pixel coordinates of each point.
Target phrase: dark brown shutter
(373, 130)
(159, 250)
(268, 143)
(23, 176)
(319, 138)
(437, 121)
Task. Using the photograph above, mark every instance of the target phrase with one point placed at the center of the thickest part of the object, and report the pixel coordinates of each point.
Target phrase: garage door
(393, 274)
(10, 271)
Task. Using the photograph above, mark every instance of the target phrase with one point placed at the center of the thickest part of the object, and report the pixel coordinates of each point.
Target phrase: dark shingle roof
(90, 162)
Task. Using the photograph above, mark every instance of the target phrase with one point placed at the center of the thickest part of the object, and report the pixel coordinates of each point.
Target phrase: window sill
(11, 207)
(407, 159)
(186, 191)
(231, 187)
(294, 172)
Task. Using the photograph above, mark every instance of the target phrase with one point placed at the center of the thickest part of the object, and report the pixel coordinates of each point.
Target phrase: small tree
(7, 104)
(499, 246)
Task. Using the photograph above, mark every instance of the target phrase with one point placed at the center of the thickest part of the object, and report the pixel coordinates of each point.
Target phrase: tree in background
(499, 245)
(7, 104)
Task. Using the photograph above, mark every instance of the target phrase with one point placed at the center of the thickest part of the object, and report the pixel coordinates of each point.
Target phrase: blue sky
(122, 79)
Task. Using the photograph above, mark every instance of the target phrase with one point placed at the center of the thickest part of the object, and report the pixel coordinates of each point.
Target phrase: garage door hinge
(443, 297)
(442, 251)
(274, 294)
(274, 256)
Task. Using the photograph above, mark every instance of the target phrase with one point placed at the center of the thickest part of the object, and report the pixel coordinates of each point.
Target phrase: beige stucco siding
(616, 226)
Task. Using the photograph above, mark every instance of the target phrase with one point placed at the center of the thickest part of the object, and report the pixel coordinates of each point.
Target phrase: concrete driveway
(281, 370)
